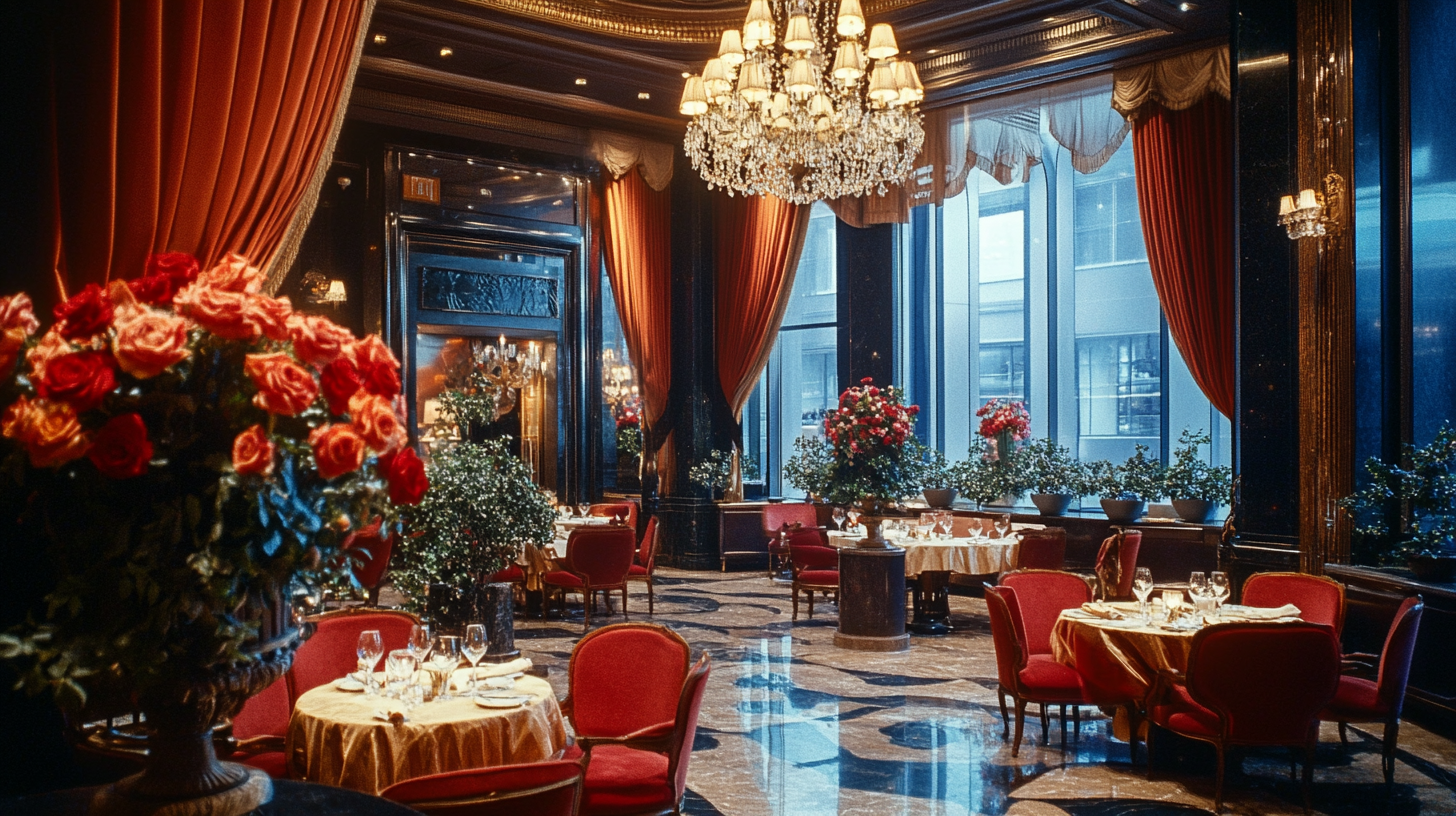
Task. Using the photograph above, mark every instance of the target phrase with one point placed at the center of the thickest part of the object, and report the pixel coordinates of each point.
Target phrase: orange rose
(149, 343)
(338, 449)
(375, 420)
(11, 342)
(269, 315)
(318, 340)
(219, 311)
(378, 368)
(17, 312)
(233, 274)
(284, 387)
(51, 346)
(253, 453)
(50, 432)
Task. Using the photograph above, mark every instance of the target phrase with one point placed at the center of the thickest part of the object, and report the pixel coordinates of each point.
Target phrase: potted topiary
(939, 487)
(1425, 496)
(1196, 487)
(979, 478)
(1052, 475)
(712, 473)
(482, 509)
(1126, 489)
(808, 468)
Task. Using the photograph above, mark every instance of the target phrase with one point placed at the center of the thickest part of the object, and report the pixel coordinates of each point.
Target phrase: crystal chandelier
(789, 118)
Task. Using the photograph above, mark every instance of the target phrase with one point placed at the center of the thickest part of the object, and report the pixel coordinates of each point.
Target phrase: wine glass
(1003, 524)
(444, 659)
(1142, 587)
(1173, 602)
(419, 641)
(399, 669)
(582, 509)
(853, 515)
(371, 647)
(474, 648)
(1218, 584)
(1197, 584)
(838, 516)
(944, 522)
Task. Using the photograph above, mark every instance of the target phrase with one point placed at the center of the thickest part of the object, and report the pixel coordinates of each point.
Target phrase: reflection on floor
(793, 726)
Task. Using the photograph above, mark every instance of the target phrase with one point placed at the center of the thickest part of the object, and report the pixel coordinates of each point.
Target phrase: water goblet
(419, 641)
(474, 648)
(944, 522)
(1003, 524)
(370, 649)
(583, 509)
(1142, 587)
(1197, 583)
(838, 515)
(1218, 583)
(444, 659)
(399, 668)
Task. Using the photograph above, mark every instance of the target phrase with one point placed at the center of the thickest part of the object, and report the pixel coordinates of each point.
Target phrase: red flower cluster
(999, 416)
(628, 419)
(869, 420)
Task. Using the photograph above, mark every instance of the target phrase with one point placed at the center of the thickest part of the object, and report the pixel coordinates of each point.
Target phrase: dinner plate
(511, 701)
(349, 683)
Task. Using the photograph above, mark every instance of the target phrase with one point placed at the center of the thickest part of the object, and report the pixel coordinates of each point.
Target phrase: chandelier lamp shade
(825, 112)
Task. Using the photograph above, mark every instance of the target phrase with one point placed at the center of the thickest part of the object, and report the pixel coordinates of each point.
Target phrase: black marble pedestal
(872, 600)
(932, 603)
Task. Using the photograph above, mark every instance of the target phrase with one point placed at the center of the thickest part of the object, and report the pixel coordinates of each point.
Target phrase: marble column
(872, 600)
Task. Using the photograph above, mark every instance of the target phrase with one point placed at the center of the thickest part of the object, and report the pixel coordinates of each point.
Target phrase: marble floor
(793, 726)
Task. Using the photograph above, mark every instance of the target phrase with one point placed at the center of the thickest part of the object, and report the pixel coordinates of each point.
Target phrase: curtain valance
(1176, 83)
(619, 153)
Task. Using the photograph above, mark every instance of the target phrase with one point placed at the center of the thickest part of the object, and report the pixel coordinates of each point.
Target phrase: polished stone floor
(793, 726)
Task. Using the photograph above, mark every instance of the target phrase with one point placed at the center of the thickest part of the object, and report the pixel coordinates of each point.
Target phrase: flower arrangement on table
(629, 433)
(874, 455)
(1005, 422)
(188, 447)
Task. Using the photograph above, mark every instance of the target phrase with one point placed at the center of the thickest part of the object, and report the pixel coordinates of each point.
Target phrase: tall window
(1041, 292)
(801, 382)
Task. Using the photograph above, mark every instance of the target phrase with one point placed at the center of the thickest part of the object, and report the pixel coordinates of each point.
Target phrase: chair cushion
(1044, 678)
(562, 578)
(637, 569)
(273, 763)
(510, 575)
(819, 577)
(1178, 712)
(624, 780)
(1356, 699)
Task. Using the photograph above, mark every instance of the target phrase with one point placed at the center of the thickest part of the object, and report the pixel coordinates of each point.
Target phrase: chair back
(685, 729)
(1006, 634)
(602, 556)
(1041, 596)
(807, 551)
(626, 511)
(647, 551)
(1117, 562)
(625, 677)
(1042, 549)
(371, 556)
(1267, 682)
(332, 652)
(266, 713)
(1395, 658)
(775, 516)
(1320, 599)
(541, 789)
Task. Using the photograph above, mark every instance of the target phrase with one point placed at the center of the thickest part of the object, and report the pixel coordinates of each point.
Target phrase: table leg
(932, 604)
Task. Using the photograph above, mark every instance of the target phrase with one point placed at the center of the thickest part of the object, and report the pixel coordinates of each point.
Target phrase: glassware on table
(924, 530)
(1142, 587)
(853, 515)
(444, 660)
(583, 509)
(944, 521)
(1197, 583)
(419, 641)
(474, 647)
(838, 516)
(563, 512)
(370, 649)
(1218, 583)
(1173, 602)
(399, 672)
(1003, 524)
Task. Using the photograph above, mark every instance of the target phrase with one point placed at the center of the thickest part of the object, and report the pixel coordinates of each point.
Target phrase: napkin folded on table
(461, 677)
(1103, 612)
(1268, 613)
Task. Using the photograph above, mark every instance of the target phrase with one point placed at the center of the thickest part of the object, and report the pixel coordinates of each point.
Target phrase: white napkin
(461, 677)
(1269, 613)
(1099, 611)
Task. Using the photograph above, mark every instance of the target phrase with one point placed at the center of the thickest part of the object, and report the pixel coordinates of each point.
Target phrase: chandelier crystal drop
(825, 112)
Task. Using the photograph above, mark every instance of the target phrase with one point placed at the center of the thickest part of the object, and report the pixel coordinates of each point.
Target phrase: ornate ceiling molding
(679, 22)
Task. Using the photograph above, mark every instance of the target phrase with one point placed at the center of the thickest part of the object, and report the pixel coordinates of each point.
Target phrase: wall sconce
(1315, 214)
(319, 289)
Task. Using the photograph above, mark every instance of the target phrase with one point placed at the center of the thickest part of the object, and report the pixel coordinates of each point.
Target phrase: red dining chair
(815, 567)
(369, 554)
(1250, 684)
(1026, 677)
(1042, 549)
(1117, 562)
(541, 789)
(597, 560)
(646, 561)
(261, 728)
(964, 526)
(1320, 599)
(624, 678)
(1042, 595)
(332, 651)
(626, 511)
(1362, 701)
(776, 519)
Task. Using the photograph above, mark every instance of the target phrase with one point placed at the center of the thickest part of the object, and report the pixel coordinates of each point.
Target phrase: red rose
(180, 267)
(318, 340)
(381, 380)
(81, 379)
(121, 449)
(284, 387)
(338, 449)
(152, 288)
(270, 315)
(378, 368)
(253, 452)
(219, 311)
(405, 474)
(85, 315)
(340, 381)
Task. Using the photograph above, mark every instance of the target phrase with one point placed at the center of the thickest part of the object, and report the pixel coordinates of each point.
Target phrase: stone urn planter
(940, 498)
(1052, 504)
(1196, 511)
(1124, 511)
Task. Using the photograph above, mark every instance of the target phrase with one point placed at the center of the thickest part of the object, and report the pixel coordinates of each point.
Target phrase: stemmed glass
(1142, 587)
(419, 641)
(399, 670)
(1218, 584)
(1173, 602)
(943, 521)
(838, 515)
(853, 515)
(1003, 524)
(583, 509)
(474, 648)
(444, 659)
(371, 647)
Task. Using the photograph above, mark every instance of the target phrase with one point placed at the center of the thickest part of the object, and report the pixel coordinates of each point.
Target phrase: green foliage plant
(1190, 477)
(979, 478)
(1139, 478)
(1422, 497)
(808, 468)
(1043, 466)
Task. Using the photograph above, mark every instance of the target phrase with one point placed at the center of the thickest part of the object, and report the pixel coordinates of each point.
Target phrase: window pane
(814, 299)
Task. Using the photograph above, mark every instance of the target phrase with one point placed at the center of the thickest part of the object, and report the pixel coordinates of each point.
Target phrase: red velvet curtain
(760, 239)
(637, 243)
(193, 126)
(1185, 195)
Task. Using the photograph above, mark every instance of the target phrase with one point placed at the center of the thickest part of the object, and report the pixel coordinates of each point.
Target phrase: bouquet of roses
(874, 452)
(1006, 422)
(186, 447)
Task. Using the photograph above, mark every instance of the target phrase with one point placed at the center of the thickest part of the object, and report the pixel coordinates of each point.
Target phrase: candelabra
(1315, 214)
(619, 382)
(508, 370)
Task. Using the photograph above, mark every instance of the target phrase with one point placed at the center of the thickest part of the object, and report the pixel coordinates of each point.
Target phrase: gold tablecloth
(1140, 651)
(333, 737)
(962, 555)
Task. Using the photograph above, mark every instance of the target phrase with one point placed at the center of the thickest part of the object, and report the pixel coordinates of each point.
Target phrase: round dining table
(338, 737)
